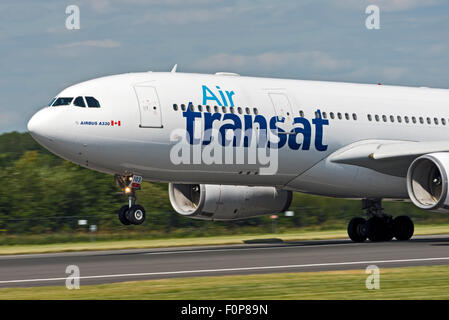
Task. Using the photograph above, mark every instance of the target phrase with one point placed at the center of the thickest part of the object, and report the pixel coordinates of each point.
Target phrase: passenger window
(175, 107)
(247, 110)
(347, 116)
(79, 102)
(62, 102)
(200, 108)
(332, 115)
(406, 119)
(301, 114)
(370, 118)
(354, 116)
(208, 109)
(92, 102)
(435, 120)
(232, 110)
(256, 112)
(399, 119)
(429, 121)
(239, 109)
(421, 120)
(191, 107)
(224, 109)
(377, 118)
(443, 121)
(413, 119)
(384, 118)
(324, 115)
(391, 118)
(216, 109)
(339, 115)
(183, 107)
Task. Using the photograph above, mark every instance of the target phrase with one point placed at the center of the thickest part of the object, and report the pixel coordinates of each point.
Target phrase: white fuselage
(130, 132)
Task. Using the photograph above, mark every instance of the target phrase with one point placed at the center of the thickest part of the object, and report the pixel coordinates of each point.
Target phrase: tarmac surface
(256, 257)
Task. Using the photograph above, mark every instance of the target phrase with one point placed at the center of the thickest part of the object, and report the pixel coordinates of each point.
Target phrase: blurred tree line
(42, 194)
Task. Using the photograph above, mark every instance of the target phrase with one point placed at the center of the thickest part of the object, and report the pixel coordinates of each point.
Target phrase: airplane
(235, 147)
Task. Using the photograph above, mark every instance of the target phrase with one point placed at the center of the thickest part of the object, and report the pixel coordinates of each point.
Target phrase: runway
(301, 256)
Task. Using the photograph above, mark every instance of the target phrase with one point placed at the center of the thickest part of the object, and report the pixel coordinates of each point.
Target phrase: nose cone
(52, 130)
(40, 127)
(33, 124)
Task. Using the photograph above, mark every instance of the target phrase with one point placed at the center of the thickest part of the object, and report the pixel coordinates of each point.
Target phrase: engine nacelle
(427, 182)
(224, 202)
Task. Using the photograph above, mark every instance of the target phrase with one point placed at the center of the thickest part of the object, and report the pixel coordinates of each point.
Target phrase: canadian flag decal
(115, 123)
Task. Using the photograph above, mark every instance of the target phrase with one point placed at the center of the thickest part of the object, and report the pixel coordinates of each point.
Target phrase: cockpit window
(92, 102)
(51, 102)
(62, 102)
(79, 102)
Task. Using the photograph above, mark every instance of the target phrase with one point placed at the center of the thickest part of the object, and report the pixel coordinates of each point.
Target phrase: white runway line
(229, 270)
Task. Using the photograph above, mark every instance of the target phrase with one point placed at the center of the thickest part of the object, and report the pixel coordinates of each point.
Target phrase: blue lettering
(230, 94)
(236, 127)
(248, 130)
(209, 119)
(305, 131)
(248, 124)
(225, 102)
(190, 123)
(319, 123)
(282, 137)
(209, 95)
(263, 130)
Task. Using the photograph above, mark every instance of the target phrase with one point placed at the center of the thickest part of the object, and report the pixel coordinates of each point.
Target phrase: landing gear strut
(130, 213)
(379, 226)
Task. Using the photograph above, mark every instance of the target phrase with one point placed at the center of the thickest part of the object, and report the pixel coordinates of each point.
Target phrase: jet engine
(225, 202)
(427, 182)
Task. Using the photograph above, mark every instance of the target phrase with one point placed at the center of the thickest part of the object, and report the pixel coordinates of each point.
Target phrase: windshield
(79, 102)
(51, 102)
(62, 102)
(92, 102)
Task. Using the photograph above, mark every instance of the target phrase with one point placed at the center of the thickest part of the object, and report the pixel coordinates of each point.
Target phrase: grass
(431, 282)
(197, 241)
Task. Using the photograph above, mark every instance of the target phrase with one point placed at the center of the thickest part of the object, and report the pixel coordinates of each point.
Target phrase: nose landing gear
(131, 213)
(379, 226)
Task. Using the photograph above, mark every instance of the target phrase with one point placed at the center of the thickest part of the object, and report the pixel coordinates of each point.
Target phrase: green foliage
(14, 144)
(42, 194)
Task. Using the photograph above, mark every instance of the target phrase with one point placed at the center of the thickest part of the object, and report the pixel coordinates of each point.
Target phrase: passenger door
(283, 109)
(149, 106)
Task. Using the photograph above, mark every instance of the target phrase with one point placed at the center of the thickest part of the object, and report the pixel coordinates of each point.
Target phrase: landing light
(127, 190)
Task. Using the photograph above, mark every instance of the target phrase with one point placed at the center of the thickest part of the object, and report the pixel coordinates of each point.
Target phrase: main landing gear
(130, 213)
(379, 226)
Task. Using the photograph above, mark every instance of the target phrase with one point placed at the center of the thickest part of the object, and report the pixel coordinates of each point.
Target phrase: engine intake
(427, 182)
(224, 202)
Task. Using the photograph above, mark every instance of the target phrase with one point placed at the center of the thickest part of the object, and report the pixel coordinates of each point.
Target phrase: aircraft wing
(387, 156)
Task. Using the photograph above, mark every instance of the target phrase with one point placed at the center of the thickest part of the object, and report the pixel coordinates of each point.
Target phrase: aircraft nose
(41, 125)
(36, 125)
(32, 124)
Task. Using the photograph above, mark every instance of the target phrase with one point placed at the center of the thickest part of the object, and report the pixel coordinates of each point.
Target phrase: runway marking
(228, 270)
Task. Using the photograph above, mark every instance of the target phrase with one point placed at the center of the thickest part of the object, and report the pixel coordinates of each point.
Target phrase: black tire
(379, 229)
(403, 228)
(122, 215)
(136, 214)
(356, 229)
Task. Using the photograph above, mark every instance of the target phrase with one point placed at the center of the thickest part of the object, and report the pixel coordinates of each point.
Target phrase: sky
(309, 39)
